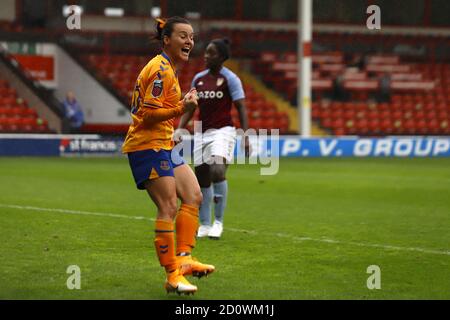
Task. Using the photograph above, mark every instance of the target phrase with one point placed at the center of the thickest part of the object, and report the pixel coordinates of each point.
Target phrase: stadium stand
(121, 72)
(15, 114)
(415, 93)
(362, 84)
(363, 94)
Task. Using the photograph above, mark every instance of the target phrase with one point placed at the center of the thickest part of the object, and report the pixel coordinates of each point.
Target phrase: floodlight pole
(304, 31)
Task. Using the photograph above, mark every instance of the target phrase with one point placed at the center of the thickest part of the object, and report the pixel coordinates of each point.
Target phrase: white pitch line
(253, 232)
(88, 213)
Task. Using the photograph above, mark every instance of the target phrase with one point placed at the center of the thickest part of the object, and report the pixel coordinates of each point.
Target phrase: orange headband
(161, 23)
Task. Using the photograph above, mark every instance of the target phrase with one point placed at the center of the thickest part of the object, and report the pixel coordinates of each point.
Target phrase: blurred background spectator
(73, 113)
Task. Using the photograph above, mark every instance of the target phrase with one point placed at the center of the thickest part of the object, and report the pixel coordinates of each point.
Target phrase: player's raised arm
(153, 116)
(186, 106)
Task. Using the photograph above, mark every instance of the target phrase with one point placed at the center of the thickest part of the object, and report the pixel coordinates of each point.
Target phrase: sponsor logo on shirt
(210, 94)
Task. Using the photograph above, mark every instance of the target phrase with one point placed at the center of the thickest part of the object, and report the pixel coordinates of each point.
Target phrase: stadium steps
(19, 91)
(281, 104)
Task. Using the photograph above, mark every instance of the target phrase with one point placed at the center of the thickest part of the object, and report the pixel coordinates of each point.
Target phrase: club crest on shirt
(220, 81)
(164, 165)
(157, 88)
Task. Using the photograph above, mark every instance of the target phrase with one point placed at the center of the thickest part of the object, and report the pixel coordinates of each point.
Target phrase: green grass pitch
(309, 232)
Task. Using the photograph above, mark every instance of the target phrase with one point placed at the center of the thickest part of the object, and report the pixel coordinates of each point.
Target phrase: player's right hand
(190, 100)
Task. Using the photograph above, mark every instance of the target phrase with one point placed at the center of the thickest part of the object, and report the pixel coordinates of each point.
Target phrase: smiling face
(213, 59)
(180, 43)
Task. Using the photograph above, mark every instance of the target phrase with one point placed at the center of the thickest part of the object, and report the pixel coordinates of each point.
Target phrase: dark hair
(223, 46)
(164, 27)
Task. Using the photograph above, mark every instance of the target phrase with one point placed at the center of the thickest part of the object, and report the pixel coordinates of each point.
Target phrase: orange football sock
(165, 244)
(186, 224)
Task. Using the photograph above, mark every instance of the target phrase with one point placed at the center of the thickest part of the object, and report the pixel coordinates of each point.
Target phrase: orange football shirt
(157, 86)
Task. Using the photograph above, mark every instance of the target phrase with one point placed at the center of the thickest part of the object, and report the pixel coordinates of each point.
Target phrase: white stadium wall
(99, 106)
(127, 24)
(8, 11)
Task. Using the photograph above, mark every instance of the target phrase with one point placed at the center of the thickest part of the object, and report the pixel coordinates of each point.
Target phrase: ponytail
(164, 27)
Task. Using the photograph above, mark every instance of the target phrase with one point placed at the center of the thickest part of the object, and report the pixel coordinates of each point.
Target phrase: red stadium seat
(443, 115)
(431, 115)
(42, 126)
(340, 131)
(236, 122)
(315, 112)
(255, 123)
(326, 121)
(421, 126)
(349, 114)
(445, 127)
(337, 114)
(16, 112)
(433, 126)
(3, 83)
(374, 127)
(385, 114)
(325, 113)
(12, 124)
(398, 127)
(268, 114)
(410, 126)
(362, 127)
(337, 123)
(7, 101)
(29, 113)
(386, 126)
(419, 115)
(396, 115)
(26, 124)
(268, 123)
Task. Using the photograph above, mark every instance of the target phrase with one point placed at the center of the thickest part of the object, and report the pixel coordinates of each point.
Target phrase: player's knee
(194, 198)
(198, 197)
(169, 208)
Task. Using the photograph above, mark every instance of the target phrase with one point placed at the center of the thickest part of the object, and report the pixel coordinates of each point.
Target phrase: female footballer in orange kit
(163, 173)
